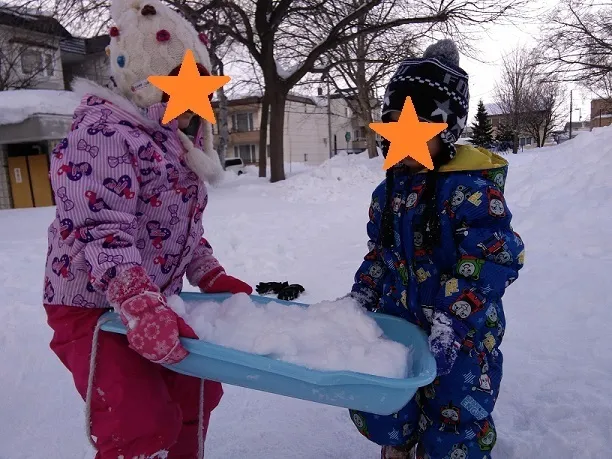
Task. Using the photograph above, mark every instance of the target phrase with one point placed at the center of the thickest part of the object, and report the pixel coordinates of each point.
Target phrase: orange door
(39, 175)
(20, 182)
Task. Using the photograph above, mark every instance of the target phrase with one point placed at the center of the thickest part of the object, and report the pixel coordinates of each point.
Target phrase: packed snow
(330, 336)
(555, 396)
(18, 105)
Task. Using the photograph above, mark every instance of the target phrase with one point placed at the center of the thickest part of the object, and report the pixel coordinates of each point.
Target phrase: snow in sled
(296, 353)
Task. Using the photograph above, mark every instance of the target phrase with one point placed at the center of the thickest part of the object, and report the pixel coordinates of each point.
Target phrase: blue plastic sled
(372, 394)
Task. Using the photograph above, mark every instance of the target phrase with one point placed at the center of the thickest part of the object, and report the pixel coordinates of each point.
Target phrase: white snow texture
(17, 106)
(555, 398)
(332, 335)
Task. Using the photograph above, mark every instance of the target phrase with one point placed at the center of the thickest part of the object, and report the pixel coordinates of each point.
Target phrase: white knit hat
(149, 39)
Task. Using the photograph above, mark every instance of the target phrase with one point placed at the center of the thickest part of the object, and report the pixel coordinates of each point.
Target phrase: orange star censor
(189, 90)
(408, 137)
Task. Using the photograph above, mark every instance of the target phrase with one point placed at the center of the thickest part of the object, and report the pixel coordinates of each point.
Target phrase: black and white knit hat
(438, 88)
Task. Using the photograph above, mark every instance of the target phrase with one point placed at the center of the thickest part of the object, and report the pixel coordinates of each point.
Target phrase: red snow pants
(138, 407)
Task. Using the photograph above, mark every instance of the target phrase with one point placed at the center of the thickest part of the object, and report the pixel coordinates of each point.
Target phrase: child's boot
(395, 452)
(402, 452)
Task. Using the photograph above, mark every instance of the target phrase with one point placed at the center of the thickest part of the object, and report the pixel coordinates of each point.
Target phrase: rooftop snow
(494, 109)
(18, 105)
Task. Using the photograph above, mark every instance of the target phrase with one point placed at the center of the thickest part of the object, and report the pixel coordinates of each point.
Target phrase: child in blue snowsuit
(442, 253)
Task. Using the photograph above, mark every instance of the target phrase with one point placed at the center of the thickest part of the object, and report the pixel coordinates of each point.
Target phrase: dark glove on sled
(264, 288)
(291, 292)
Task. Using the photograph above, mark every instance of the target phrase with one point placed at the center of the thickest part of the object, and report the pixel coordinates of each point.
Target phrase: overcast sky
(483, 75)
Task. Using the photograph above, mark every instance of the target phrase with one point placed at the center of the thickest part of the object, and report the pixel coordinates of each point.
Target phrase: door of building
(29, 175)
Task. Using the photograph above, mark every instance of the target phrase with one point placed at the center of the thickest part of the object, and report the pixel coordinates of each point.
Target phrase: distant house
(306, 131)
(601, 112)
(577, 126)
(498, 116)
(30, 48)
(40, 58)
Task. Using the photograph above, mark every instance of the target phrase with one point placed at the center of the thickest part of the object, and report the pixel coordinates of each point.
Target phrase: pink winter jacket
(124, 197)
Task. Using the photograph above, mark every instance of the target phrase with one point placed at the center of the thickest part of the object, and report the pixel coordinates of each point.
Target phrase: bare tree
(288, 38)
(543, 109)
(360, 68)
(23, 62)
(577, 43)
(531, 102)
(513, 90)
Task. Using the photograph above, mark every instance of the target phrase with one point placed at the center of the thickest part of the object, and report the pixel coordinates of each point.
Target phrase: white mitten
(206, 165)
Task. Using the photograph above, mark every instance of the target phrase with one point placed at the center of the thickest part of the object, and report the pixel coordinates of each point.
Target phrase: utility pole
(571, 111)
(329, 128)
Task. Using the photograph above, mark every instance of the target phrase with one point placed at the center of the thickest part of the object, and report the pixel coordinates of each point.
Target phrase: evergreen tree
(504, 137)
(482, 130)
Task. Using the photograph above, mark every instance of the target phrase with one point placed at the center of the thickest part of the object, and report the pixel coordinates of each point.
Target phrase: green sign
(347, 136)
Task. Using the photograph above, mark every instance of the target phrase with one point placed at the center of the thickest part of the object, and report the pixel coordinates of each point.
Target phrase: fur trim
(206, 164)
(82, 87)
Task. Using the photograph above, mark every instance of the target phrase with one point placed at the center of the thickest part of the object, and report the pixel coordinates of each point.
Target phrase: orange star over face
(408, 137)
(189, 90)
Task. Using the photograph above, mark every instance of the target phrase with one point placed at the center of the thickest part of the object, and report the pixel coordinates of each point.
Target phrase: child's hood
(469, 158)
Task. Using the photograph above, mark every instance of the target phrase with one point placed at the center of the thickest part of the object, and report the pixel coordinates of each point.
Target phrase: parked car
(235, 164)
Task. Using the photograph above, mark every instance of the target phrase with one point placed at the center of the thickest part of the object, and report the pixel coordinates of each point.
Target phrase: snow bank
(332, 335)
(18, 105)
(338, 178)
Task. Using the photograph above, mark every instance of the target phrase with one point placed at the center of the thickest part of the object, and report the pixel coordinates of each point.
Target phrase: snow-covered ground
(555, 400)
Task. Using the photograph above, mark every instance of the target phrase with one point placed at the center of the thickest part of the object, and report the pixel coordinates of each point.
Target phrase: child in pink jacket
(130, 196)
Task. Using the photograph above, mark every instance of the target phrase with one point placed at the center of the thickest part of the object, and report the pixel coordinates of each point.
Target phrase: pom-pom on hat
(438, 88)
(147, 39)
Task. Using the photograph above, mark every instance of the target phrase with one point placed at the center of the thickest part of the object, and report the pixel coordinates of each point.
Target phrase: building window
(34, 62)
(242, 122)
(360, 134)
(246, 152)
(31, 62)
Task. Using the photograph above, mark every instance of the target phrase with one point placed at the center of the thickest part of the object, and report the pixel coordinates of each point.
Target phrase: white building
(306, 128)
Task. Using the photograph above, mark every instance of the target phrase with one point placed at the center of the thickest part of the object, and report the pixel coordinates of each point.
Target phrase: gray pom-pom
(445, 50)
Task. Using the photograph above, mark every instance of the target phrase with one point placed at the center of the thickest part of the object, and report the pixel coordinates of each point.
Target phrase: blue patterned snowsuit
(465, 276)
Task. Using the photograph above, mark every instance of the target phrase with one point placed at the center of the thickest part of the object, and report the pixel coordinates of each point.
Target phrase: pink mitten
(153, 328)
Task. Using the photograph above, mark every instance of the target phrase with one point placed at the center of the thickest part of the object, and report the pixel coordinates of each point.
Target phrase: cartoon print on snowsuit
(463, 276)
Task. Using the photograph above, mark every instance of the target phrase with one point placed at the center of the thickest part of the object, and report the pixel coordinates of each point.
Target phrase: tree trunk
(263, 135)
(545, 133)
(223, 128)
(218, 69)
(277, 98)
(372, 147)
(363, 90)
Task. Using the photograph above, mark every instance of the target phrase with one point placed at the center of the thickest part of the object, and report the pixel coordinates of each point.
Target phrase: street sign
(347, 136)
